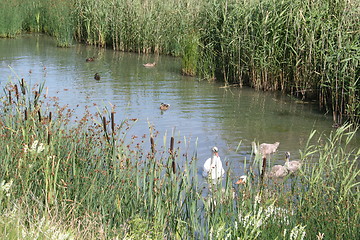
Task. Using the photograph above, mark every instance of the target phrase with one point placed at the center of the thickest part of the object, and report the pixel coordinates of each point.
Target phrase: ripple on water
(199, 111)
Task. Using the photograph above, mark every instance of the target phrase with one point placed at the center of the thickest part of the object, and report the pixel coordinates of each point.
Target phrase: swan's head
(242, 180)
(215, 151)
(287, 155)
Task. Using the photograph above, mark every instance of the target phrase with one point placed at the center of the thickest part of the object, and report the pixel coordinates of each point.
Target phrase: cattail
(39, 115)
(263, 169)
(36, 97)
(25, 114)
(48, 138)
(173, 166)
(152, 144)
(172, 154)
(172, 145)
(104, 123)
(16, 92)
(22, 86)
(113, 122)
(10, 100)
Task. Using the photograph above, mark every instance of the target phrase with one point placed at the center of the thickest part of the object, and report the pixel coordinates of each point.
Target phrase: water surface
(203, 113)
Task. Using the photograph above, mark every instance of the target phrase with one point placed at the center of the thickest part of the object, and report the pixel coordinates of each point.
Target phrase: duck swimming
(164, 106)
(97, 76)
(213, 166)
(90, 59)
(149, 64)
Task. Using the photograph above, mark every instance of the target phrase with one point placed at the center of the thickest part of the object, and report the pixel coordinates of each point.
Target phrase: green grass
(80, 179)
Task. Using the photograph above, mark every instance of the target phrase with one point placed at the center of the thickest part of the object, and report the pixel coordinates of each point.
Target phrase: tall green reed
(89, 172)
(82, 171)
(10, 18)
(309, 49)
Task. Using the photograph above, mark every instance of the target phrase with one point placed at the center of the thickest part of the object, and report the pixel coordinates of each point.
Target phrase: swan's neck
(215, 155)
(287, 158)
(254, 148)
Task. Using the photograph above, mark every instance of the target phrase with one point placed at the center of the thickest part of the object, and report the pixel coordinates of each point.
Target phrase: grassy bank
(85, 178)
(307, 48)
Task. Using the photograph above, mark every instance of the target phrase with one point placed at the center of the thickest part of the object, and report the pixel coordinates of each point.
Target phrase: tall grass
(85, 174)
(10, 18)
(307, 48)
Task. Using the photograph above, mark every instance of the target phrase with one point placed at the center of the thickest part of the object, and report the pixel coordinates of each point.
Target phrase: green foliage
(10, 18)
(92, 181)
(190, 55)
(307, 48)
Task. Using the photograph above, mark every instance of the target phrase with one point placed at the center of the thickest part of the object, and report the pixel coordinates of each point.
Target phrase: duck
(97, 76)
(149, 64)
(292, 166)
(265, 148)
(242, 180)
(164, 106)
(90, 59)
(213, 166)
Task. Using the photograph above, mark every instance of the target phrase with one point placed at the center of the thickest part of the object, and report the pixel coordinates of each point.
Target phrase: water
(202, 113)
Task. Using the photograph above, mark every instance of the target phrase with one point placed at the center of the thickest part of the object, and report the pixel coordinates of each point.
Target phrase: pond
(204, 114)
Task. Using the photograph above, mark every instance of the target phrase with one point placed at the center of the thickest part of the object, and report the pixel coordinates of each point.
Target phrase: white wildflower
(26, 148)
(40, 148)
(298, 233)
(64, 236)
(5, 187)
(219, 231)
(320, 236)
(285, 232)
(258, 198)
(8, 185)
(34, 146)
(23, 233)
(278, 213)
(253, 219)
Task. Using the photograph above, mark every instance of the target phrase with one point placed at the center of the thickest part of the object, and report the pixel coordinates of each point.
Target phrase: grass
(307, 48)
(86, 178)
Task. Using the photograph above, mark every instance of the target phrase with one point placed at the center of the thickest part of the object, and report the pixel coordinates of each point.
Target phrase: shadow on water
(202, 114)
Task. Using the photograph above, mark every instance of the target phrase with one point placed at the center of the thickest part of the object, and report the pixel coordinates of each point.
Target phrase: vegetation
(307, 48)
(71, 177)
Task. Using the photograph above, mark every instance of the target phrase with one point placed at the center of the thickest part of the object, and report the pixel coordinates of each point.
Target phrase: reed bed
(307, 48)
(83, 177)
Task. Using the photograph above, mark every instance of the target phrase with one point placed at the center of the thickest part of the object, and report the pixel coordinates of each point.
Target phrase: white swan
(292, 166)
(213, 166)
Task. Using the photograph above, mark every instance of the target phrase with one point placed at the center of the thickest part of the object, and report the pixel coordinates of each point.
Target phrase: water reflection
(203, 112)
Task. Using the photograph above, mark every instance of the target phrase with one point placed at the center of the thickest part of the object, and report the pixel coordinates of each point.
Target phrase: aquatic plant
(307, 48)
(10, 19)
(86, 174)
